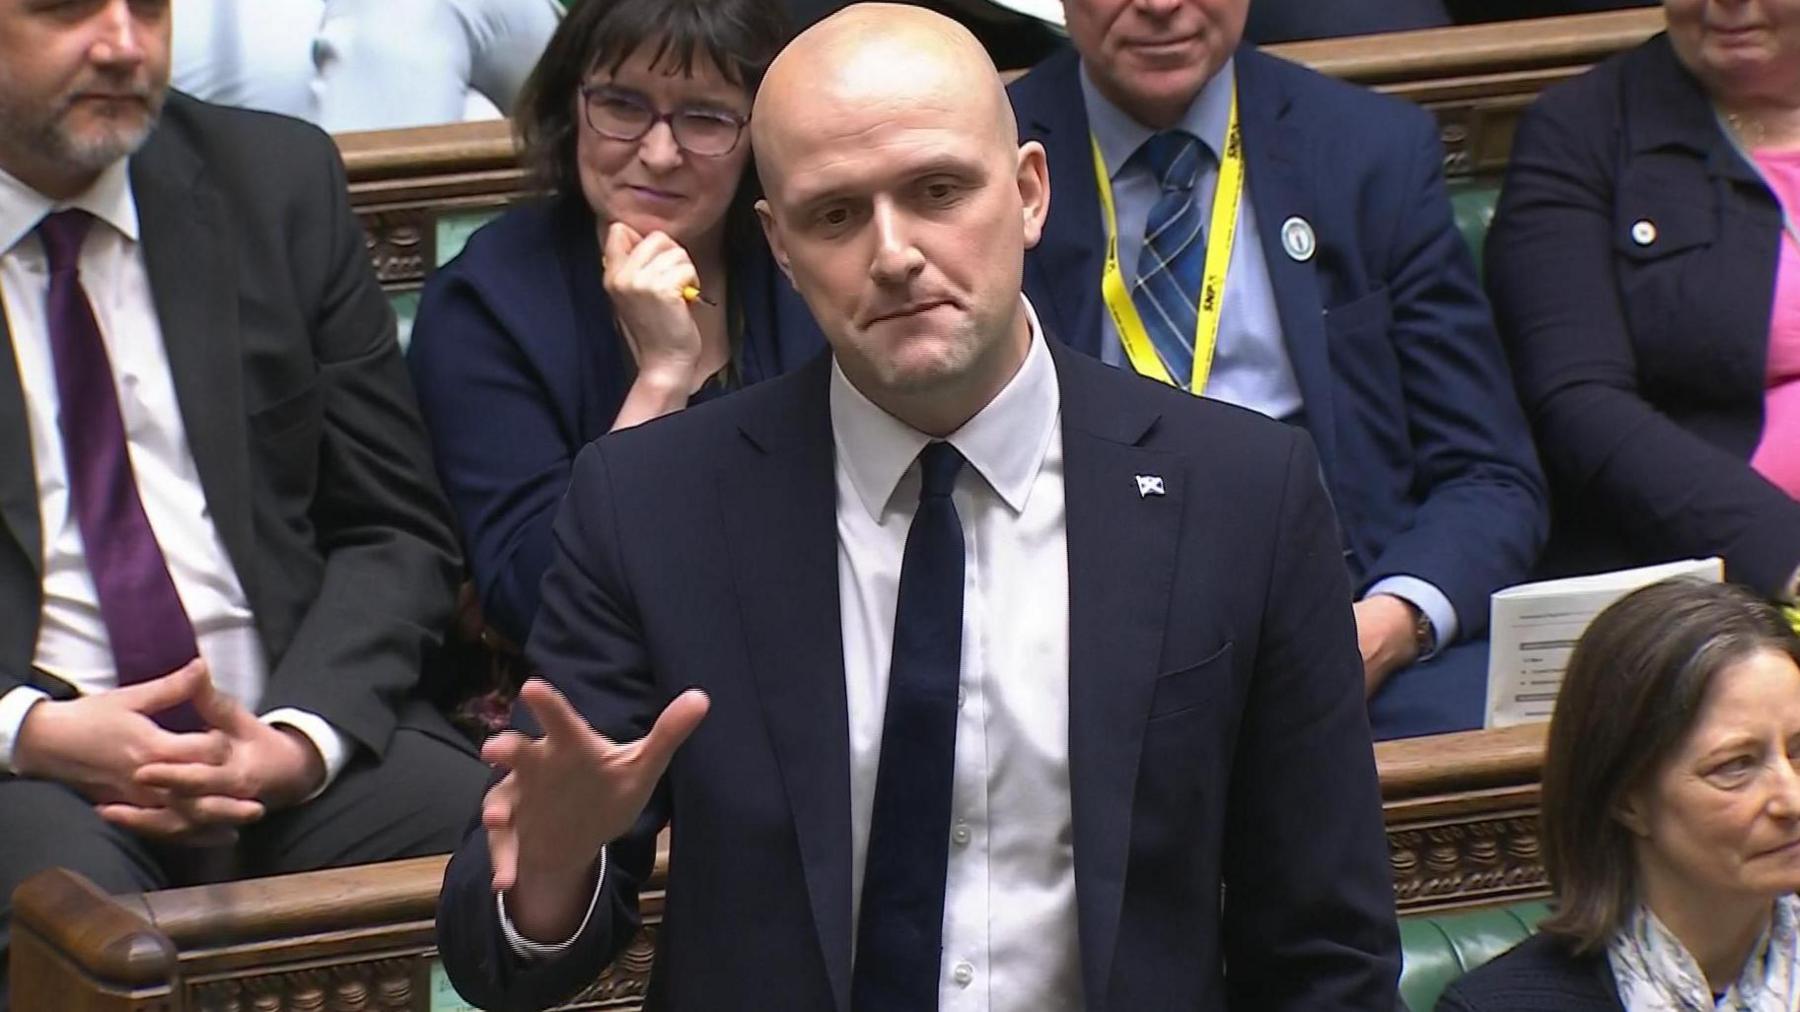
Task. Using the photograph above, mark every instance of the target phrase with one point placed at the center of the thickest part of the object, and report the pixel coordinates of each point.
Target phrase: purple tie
(145, 622)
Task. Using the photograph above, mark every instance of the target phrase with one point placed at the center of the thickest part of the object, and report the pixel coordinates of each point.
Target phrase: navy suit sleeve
(1550, 259)
(502, 453)
(1484, 512)
(587, 643)
(1309, 903)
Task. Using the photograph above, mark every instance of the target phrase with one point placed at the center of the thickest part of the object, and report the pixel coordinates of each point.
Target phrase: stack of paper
(1534, 627)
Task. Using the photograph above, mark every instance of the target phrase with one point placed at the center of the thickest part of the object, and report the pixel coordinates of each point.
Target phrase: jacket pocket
(1196, 685)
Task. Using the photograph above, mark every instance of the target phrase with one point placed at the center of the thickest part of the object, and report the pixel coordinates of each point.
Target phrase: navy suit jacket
(1643, 365)
(1537, 975)
(1426, 452)
(1218, 742)
(519, 364)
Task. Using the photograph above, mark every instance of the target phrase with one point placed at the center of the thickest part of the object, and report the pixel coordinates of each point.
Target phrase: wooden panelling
(1461, 816)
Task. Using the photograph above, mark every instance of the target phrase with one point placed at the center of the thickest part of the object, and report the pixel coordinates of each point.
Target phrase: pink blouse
(1777, 456)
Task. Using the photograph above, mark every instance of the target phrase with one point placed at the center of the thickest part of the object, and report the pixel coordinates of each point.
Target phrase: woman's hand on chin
(645, 277)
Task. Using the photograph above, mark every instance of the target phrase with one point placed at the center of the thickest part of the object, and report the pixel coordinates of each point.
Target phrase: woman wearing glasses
(640, 285)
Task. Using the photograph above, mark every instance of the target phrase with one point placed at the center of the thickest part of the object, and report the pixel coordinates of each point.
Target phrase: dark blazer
(1225, 751)
(1425, 450)
(298, 412)
(519, 364)
(1642, 364)
(1537, 975)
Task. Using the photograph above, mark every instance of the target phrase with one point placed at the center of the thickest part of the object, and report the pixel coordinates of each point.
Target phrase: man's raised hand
(566, 795)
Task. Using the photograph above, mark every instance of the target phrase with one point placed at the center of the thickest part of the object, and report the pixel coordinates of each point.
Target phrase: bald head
(869, 58)
(900, 202)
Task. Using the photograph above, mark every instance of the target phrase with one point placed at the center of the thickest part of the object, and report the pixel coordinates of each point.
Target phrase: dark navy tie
(900, 926)
(145, 622)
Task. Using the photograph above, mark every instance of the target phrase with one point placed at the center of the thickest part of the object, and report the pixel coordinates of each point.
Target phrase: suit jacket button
(1643, 232)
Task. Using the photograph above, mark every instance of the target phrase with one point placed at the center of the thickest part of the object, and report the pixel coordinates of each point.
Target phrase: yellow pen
(692, 294)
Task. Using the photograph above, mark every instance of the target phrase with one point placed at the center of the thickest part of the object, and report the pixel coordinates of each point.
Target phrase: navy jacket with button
(1632, 265)
(1425, 451)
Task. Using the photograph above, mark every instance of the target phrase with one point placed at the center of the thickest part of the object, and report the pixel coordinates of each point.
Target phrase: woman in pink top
(1648, 289)
(1777, 457)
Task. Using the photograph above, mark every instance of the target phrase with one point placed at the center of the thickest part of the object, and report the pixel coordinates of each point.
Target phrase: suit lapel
(1274, 155)
(18, 480)
(1064, 270)
(188, 254)
(1121, 563)
(780, 499)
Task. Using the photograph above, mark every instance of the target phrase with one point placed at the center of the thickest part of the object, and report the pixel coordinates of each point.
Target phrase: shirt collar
(1005, 442)
(108, 199)
(1208, 117)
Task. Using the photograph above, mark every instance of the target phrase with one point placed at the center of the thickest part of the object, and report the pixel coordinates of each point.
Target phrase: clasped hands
(565, 796)
(189, 787)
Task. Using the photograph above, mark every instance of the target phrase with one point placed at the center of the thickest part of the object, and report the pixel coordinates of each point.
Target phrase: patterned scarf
(1656, 974)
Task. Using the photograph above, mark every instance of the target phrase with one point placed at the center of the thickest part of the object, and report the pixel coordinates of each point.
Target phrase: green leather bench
(1438, 948)
(1472, 202)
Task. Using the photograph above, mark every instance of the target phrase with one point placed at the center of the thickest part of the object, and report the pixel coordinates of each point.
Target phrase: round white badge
(1298, 240)
(1643, 232)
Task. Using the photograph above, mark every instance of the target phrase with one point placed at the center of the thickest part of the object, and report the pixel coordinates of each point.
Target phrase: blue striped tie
(1174, 254)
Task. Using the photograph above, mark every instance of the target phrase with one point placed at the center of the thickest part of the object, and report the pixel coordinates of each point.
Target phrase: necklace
(1749, 131)
(1730, 125)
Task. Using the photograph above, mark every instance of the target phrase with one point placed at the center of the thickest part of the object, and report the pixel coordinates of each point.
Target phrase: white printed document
(1534, 626)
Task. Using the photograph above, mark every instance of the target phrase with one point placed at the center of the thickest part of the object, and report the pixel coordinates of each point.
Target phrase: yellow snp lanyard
(1220, 238)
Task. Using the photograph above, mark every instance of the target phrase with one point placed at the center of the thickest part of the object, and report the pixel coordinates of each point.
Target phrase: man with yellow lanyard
(1241, 227)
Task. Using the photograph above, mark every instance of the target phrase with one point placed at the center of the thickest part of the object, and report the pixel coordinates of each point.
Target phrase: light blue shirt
(1250, 363)
(1250, 367)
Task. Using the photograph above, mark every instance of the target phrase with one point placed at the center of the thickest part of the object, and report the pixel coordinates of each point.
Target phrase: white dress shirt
(362, 64)
(1009, 940)
(72, 640)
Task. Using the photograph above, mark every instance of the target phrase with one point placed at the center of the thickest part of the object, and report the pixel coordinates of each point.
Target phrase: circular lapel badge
(1298, 240)
(1643, 232)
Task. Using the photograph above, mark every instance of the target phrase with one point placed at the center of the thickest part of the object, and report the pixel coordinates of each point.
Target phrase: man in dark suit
(988, 677)
(222, 555)
(1345, 301)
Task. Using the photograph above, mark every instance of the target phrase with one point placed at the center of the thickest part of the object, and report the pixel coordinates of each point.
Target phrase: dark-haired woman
(640, 285)
(1670, 817)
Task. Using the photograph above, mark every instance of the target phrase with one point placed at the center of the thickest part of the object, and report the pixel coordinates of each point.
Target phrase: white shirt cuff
(13, 708)
(527, 949)
(333, 747)
(1428, 599)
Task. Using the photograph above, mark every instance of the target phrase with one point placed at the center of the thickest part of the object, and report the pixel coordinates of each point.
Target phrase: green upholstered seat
(453, 230)
(1438, 948)
(1472, 202)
